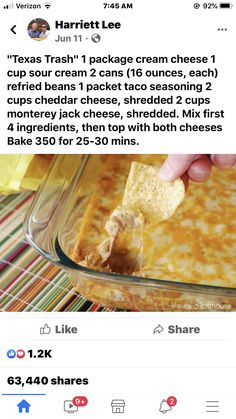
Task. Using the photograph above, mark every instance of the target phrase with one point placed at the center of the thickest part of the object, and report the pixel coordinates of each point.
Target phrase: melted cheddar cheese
(196, 245)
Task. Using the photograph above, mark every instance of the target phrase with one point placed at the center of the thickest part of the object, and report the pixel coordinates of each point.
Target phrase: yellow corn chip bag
(13, 169)
(36, 171)
(22, 171)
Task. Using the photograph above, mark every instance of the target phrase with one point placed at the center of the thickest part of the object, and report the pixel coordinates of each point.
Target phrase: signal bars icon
(8, 6)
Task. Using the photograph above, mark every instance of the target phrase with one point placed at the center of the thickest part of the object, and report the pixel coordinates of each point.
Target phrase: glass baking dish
(52, 225)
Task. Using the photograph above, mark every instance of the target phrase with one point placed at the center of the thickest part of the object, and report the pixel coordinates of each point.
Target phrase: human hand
(196, 167)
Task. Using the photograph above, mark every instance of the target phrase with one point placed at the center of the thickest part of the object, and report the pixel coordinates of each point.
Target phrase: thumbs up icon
(45, 330)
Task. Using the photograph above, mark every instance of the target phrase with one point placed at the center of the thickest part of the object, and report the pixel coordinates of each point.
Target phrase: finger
(200, 170)
(175, 166)
(223, 161)
(185, 179)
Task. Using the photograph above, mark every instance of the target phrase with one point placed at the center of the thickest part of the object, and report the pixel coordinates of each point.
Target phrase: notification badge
(80, 401)
(171, 401)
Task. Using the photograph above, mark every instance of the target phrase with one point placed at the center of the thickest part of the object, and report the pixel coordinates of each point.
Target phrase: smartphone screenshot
(117, 209)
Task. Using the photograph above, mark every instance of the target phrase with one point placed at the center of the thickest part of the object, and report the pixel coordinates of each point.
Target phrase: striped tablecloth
(28, 282)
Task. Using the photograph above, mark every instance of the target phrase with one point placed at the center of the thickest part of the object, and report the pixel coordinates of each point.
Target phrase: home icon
(23, 406)
(118, 406)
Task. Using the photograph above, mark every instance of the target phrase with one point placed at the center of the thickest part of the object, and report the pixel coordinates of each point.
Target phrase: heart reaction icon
(20, 353)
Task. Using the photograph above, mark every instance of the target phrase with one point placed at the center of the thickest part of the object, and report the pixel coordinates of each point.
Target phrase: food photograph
(118, 232)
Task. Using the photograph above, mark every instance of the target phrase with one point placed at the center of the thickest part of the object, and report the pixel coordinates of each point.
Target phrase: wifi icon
(47, 5)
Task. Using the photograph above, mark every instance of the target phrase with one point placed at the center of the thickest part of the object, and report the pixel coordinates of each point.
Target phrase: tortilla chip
(147, 193)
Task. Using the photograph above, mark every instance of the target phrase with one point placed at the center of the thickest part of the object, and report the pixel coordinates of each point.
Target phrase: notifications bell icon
(164, 407)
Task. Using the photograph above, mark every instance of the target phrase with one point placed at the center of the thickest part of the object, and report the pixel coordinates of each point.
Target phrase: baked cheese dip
(171, 235)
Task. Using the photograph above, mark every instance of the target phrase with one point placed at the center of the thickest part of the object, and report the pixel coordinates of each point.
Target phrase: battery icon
(226, 5)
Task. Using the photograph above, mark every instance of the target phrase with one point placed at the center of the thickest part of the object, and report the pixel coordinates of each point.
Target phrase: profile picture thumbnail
(38, 29)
